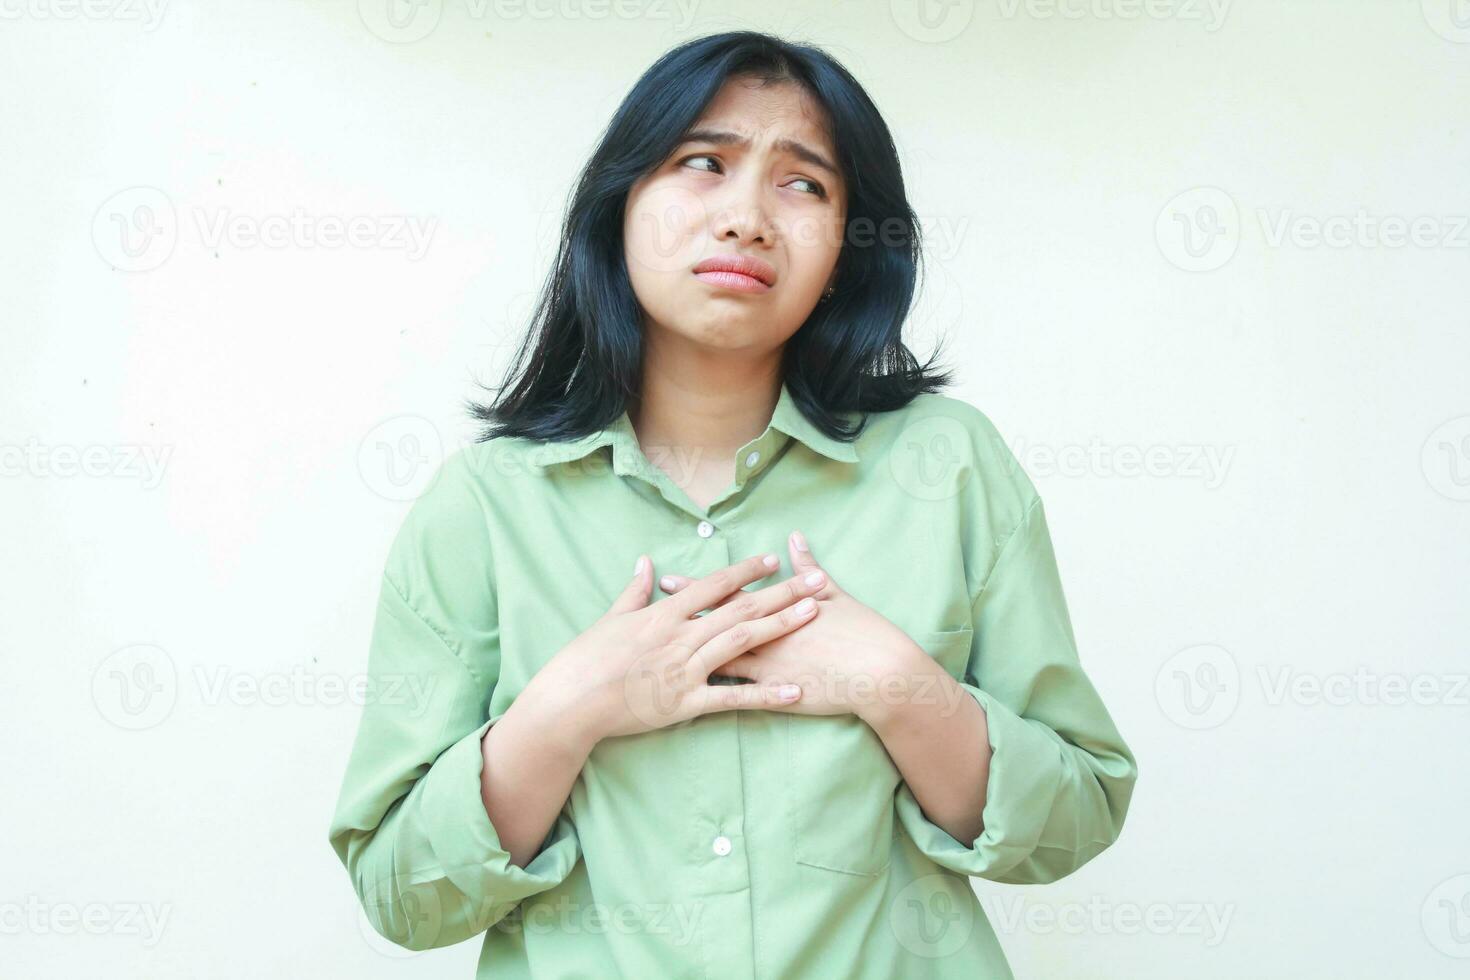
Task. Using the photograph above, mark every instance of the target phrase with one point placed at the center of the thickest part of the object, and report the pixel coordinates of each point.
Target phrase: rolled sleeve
(1060, 776)
(410, 824)
(460, 834)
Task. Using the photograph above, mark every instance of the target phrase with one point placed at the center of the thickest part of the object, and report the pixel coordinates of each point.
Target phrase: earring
(828, 294)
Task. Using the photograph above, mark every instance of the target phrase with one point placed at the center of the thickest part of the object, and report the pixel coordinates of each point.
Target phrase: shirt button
(705, 529)
(752, 459)
(722, 845)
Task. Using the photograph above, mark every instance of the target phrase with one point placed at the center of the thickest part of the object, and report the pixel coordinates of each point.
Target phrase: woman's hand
(642, 667)
(850, 659)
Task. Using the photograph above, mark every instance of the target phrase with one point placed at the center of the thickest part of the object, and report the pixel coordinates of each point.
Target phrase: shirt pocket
(950, 647)
(844, 782)
(842, 794)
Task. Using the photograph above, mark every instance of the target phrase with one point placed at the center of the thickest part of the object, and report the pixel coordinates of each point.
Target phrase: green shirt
(738, 844)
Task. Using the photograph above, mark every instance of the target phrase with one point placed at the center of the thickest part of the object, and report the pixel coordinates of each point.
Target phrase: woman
(859, 686)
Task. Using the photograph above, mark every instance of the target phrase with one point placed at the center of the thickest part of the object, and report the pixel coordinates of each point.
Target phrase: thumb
(802, 562)
(635, 594)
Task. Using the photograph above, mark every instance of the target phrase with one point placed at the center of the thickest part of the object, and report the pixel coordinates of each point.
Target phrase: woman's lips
(737, 281)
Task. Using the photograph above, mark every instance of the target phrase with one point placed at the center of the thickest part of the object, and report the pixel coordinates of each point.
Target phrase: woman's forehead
(757, 111)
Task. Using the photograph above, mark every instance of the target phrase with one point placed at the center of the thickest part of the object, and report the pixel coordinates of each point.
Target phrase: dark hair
(582, 360)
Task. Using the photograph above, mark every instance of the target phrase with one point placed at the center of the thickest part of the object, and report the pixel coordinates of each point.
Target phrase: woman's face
(755, 179)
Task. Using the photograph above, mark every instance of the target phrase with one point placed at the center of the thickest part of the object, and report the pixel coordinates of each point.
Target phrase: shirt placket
(717, 895)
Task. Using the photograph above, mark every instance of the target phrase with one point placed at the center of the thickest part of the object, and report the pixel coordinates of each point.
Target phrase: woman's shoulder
(943, 437)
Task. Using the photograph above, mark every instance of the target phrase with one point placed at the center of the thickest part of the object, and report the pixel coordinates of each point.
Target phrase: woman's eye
(703, 157)
(816, 187)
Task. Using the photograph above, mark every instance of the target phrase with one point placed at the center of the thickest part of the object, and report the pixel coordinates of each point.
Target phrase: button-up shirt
(753, 843)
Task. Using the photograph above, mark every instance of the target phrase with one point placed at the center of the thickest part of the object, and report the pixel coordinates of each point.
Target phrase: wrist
(907, 681)
(556, 722)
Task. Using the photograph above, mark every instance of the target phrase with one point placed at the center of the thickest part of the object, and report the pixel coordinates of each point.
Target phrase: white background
(209, 440)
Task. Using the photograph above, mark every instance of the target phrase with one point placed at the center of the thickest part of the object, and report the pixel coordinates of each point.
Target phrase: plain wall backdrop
(1205, 265)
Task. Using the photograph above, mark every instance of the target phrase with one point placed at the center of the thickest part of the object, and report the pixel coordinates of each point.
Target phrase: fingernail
(815, 578)
(771, 561)
(799, 541)
(638, 566)
(666, 583)
(805, 606)
(788, 692)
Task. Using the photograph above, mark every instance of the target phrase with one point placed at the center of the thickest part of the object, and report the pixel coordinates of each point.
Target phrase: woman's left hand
(848, 658)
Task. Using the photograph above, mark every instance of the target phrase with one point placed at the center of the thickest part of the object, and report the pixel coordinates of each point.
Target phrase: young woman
(856, 685)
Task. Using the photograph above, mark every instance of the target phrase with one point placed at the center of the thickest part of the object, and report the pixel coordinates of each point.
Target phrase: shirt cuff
(466, 843)
(1026, 767)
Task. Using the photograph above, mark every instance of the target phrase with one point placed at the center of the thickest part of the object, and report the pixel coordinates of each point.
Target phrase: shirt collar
(619, 434)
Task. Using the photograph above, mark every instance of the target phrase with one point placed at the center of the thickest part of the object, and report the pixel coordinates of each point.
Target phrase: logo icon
(400, 21)
(400, 458)
(1198, 230)
(136, 687)
(927, 458)
(1450, 19)
(136, 230)
(1446, 917)
(1446, 459)
(932, 21)
(932, 916)
(1199, 687)
(401, 898)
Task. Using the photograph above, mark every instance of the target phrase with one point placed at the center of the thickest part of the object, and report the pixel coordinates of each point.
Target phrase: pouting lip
(747, 265)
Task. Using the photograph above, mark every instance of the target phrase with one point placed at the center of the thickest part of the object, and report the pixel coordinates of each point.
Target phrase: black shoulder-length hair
(581, 361)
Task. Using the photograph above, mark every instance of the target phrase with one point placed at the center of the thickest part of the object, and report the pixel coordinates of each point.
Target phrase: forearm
(937, 736)
(530, 764)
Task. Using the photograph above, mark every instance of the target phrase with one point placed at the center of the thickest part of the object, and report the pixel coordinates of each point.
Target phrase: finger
(673, 583)
(748, 634)
(636, 593)
(705, 592)
(723, 697)
(803, 561)
(746, 606)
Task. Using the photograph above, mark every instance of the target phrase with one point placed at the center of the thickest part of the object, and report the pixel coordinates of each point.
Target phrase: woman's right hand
(645, 666)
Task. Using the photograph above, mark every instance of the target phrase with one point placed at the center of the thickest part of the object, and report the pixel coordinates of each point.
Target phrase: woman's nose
(744, 212)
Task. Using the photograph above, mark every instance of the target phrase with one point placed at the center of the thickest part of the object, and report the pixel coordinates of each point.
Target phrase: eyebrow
(796, 148)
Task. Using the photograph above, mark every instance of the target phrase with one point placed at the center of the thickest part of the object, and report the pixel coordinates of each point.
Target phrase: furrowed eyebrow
(720, 137)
